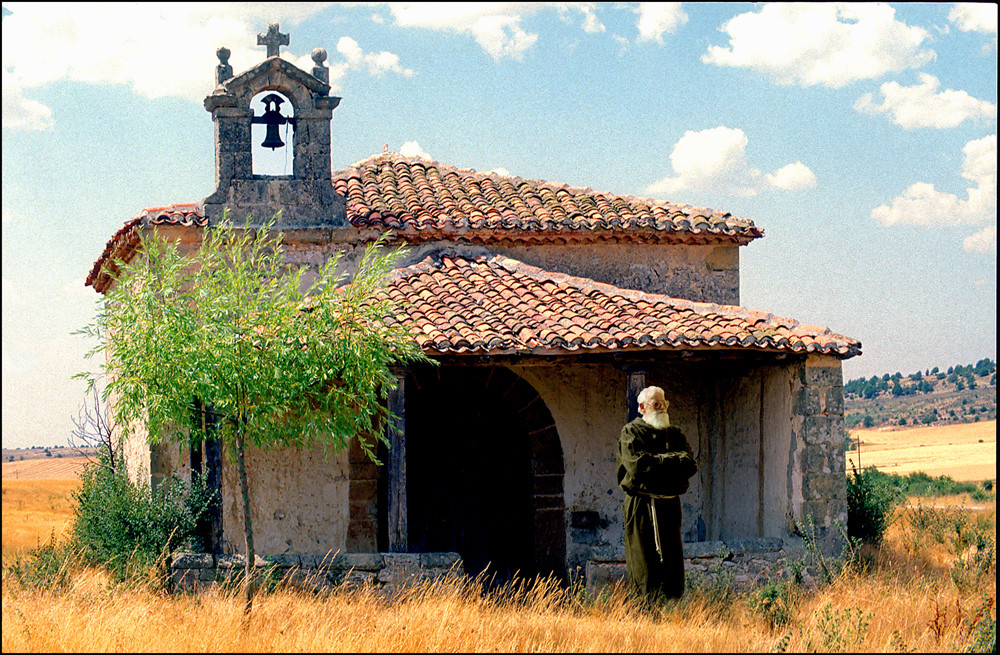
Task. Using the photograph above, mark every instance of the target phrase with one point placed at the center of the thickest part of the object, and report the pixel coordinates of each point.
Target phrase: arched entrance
(484, 472)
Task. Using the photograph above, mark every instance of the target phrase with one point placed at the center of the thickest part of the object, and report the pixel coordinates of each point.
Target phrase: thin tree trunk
(247, 525)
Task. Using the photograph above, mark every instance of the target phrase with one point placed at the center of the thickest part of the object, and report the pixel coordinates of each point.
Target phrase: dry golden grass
(34, 511)
(902, 597)
(907, 598)
(964, 451)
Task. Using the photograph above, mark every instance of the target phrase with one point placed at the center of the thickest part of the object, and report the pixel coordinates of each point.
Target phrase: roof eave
(840, 352)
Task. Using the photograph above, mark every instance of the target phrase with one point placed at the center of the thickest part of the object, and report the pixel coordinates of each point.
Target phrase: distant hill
(960, 394)
(46, 452)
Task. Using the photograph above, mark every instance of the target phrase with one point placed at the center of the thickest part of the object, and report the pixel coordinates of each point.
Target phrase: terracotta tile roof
(422, 199)
(124, 242)
(497, 305)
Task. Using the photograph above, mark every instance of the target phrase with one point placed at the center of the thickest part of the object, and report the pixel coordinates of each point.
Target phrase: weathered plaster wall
(137, 457)
(299, 499)
(701, 273)
(587, 404)
(739, 428)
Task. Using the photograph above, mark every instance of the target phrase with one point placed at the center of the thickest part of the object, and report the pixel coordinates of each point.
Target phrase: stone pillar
(820, 409)
(362, 526)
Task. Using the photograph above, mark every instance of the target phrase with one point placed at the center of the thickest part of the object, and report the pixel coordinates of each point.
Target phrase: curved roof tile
(484, 305)
(424, 199)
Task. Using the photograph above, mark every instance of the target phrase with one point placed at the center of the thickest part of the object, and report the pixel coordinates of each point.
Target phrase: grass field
(965, 451)
(904, 600)
(34, 511)
(925, 589)
(38, 501)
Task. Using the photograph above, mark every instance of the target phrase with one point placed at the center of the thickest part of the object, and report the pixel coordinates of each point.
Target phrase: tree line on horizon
(962, 376)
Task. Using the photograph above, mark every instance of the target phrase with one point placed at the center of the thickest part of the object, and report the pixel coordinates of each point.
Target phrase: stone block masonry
(820, 406)
(193, 572)
(746, 562)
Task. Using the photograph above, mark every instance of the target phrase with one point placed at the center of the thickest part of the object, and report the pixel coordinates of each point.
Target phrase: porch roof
(495, 305)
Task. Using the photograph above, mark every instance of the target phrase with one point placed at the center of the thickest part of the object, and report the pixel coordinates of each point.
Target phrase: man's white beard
(659, 419)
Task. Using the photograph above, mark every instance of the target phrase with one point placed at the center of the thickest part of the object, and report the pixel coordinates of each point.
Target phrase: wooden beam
(636, 382)
(396, 434)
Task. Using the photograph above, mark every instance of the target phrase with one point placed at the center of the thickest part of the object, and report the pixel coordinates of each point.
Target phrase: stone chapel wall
(692, 272)
(299, 501)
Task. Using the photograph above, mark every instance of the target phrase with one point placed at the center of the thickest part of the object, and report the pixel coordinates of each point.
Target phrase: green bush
(129, 528)
(47, 566)
(871, 500)
(774, 601)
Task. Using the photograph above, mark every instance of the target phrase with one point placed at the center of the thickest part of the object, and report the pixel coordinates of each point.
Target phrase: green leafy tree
(232, 328)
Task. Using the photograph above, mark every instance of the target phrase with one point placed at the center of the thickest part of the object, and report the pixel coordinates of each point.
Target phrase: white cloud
(495, 26)
(622, 44)
(974, 16)
(413, 149)
(156, 49)
(985, 240)
(376, 63)
(20, 113)
(921, 204)
(591, 23)
(500, 170)
(819, 43)
(793, 177)
(659, 18)
(922, 106)
(715, 159)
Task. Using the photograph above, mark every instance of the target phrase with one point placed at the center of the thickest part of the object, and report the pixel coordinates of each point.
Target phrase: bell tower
(306, 197)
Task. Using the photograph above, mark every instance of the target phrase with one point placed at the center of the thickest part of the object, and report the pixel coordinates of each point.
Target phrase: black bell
(271, 139)
(272, 118)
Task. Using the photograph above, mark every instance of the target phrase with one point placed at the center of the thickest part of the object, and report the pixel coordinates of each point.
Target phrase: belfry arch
(272, 133)
(484, 471)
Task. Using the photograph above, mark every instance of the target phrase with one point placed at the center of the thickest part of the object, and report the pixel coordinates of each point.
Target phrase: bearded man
(654, 464)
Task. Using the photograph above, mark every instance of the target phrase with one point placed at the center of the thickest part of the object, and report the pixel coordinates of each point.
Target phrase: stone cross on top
(273, 40)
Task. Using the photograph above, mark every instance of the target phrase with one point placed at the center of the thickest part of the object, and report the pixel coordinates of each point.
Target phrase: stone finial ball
(319, 56)
(223, 54)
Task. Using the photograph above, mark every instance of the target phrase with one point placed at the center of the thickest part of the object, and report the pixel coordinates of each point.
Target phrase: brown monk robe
(653, 469)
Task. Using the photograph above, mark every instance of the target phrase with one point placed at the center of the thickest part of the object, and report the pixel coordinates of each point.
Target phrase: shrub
(48, 566)
(871, 500)
(774, 601)
(849, 442)
(129, 528)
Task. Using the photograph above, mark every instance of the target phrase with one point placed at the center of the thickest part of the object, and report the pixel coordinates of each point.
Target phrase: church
(547, 307)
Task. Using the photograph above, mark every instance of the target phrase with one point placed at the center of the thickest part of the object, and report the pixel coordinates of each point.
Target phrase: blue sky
(861, 138)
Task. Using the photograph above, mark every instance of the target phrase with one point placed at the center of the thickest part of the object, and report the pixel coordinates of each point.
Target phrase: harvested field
(65, 468)
(964, 451)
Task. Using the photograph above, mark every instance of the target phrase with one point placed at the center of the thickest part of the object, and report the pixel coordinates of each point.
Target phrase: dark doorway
(472, 473)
